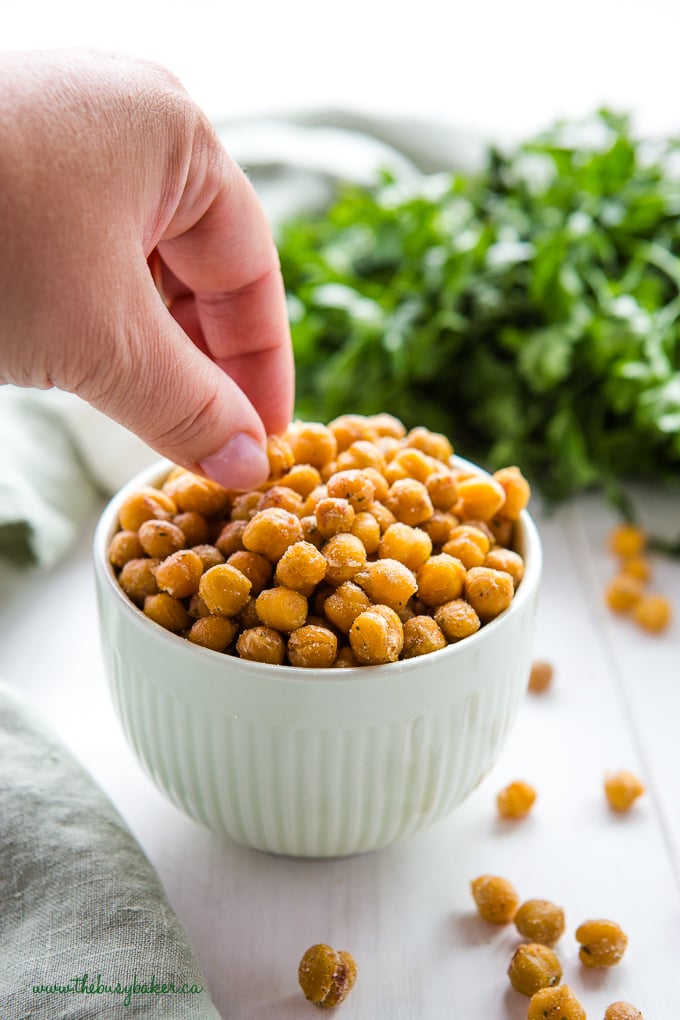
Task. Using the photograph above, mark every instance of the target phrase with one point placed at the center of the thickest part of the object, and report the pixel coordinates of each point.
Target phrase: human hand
(137, 268)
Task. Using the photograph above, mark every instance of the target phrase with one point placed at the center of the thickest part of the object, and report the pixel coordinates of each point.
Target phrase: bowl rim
(108, 522)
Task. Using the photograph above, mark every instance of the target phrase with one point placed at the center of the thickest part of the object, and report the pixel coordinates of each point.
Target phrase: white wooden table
(406, 913)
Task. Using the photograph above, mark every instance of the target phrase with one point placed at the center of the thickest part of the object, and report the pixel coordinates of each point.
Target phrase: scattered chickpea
(496, 898)
(540, 677)
(652, 613)
(534, 966)
(556, 1003)
(540, 921)
(627, 540)
(622, 1011)
(622, 592)
(622, 789)
(325, 976)
(603, 943)
(516, 800)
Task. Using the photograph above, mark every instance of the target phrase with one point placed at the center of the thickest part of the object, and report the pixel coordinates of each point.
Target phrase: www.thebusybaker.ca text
(86, 986)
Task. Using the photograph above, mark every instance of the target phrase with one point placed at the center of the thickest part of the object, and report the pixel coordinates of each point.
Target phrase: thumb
(174, 397)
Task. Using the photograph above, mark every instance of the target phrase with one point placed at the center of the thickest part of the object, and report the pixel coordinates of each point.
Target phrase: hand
(137, 268)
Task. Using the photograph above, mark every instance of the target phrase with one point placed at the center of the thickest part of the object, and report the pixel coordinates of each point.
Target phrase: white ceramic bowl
(313, 762)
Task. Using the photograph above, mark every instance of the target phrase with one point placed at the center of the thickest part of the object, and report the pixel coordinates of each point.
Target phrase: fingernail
(240, 464)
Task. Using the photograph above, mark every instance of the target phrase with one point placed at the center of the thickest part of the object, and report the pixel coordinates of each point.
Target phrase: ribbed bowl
(306, 762)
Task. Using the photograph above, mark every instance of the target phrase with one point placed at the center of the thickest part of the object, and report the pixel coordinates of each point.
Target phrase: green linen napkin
(85, 928)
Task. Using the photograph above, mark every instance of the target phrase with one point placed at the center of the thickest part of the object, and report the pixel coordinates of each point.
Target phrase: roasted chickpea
(367, 530)
(125, 546)
(344, 604)
(311, 443)
(345, 659)
(199, 494)
(534, 966)
(261, 644)
(302, 478)
(144, 505)
(422, 635)
(622, 789)
(409, 501)
(411, 546)
(348, 428)
(312, 646)
(169, 612)
(160, 538)
(603, 943)
(457, 619)
(652, 613)
(383, 516)
(469, 545)
(256, 567)
(496, 898)
(352, 485)
(224, 589)
(440, 580)
(333, 516)
(245, 505)
(506, 560)
(442, 489)
(376, 637)
(301, 567)
(637, 566)
(434, 444)
(622, 592)
(387, 425)
(379, 482)
(622, 1011)
(230, 537)
(489, 592)
(282, 496)
(325, 976)
(209, 555)
(516, 801)
(540, 921)
(361, 454)
(410, 462)
(556, 1003)
(439, 527)
(216, 632)
(281, 608)
(279, 455)
(627, 540)
(180, 573)
(271, 531)
(540, 677)
(480, 497)
(345, 556)
(310, 531)
(388, 582)
(516, 489)
(195, 527)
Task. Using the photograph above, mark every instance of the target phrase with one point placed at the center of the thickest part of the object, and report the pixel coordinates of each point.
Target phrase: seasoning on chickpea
(534, 966)
(556, 1003)
(326, 976)
(496, 898)
(540, 921)
(602, 942)
(622, 1011)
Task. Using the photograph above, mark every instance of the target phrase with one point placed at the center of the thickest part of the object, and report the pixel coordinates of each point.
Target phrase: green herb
(530, 311)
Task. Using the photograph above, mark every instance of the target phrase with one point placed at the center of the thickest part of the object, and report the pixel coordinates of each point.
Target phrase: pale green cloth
(77, 895)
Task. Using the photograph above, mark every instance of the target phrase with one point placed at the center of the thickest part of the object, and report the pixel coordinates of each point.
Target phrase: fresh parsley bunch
(530, 311)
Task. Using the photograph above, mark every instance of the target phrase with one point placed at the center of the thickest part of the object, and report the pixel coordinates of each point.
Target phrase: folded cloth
(56, 451)
(85, 928)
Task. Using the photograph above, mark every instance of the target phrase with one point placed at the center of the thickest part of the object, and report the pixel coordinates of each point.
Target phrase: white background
(495, 66)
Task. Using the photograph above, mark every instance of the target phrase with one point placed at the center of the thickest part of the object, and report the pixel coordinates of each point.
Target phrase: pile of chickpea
(367, 544)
